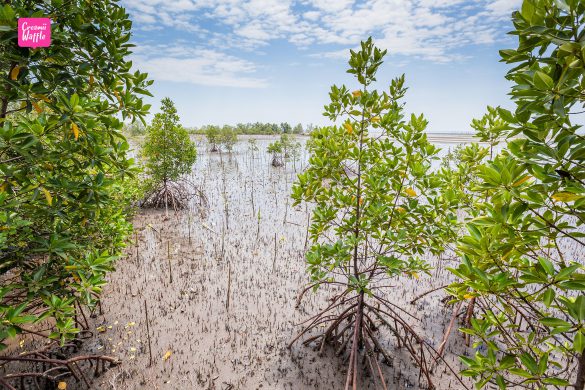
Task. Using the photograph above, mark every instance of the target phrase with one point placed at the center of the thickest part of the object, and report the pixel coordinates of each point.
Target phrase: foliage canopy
(168, 149)
(378, 209)
(63, 165)
(521, 257)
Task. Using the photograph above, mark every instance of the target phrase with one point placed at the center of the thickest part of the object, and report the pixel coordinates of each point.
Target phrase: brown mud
(220, 288)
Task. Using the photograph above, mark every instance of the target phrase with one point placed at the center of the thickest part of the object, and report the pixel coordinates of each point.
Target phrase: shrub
(277, 151)
(520, 258)
(213, 135)
(63, 164)
(169, 154)
(228, 138)
(377, 209)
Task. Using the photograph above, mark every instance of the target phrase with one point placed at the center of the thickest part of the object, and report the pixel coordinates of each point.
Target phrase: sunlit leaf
(565, 197)
(15, 72)
(48, 196)
(167, 355)
(75, 130)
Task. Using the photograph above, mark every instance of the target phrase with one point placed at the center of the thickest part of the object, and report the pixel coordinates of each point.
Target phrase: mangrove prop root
(175, 195)
(45, 365)
(348, 325)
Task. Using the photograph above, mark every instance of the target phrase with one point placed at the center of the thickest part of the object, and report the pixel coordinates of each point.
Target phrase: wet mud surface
(220, 285)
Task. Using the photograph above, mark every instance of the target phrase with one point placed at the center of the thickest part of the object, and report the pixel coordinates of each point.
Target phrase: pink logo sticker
(34, 32)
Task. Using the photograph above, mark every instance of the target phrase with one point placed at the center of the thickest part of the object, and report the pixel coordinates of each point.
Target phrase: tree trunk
(4, 106)
(580, 383)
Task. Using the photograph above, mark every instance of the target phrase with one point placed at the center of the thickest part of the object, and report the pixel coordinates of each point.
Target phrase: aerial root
(47, 367)
(277, 161)
(175, 195)
(351, 325)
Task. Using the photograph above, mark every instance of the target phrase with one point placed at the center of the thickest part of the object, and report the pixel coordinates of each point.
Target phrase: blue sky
(230, 61)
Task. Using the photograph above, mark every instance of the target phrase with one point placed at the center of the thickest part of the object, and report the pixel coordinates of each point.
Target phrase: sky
(237, 61)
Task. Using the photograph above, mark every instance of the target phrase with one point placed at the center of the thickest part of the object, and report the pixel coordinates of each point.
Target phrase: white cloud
(503, 7)
(311, 15)
(440, 3)
(432, 30)
(196, 66)
(332, 5)
(255, 31)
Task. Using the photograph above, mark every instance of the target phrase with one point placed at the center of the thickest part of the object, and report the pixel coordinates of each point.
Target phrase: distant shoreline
(433, 137)
(452, 138)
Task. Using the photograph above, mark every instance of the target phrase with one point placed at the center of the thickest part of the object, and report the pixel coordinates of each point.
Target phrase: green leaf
(507, 115)
(528, 10)
(547, 265)
(475, 232)
(578, 285)
(555, 382)
(553, 322)
(74, 101)
(542, 81)
(548, 296)
(579, 342)
(562, 4)
(529, 362)
(468, 361)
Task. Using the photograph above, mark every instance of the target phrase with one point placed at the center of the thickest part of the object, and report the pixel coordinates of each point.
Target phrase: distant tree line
(257, 128)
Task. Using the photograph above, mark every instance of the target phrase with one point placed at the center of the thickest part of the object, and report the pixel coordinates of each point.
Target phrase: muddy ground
(220, 288)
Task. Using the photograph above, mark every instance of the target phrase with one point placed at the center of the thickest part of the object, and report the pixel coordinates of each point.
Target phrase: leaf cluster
(64, 169)
(521, 255)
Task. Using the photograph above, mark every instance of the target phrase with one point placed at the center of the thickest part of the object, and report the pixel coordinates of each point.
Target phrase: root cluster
(352, 326)
(44, 368)
(174, 195)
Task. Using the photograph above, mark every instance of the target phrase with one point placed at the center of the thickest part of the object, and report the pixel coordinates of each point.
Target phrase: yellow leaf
(357, 93)
(90, 79)
(565, 197)
(23, 104)
(167, 355)
(62, 386)
(48, 196)
(42, 97)
(37, 108)
(101, 329)
(361, 202)
(348, 127)
(522, 181)
(401, 209)
(75, 130)
(3, 187)
(14, 72)
(376, 119)
(468, 296)
(414, 275)
(410, 192)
